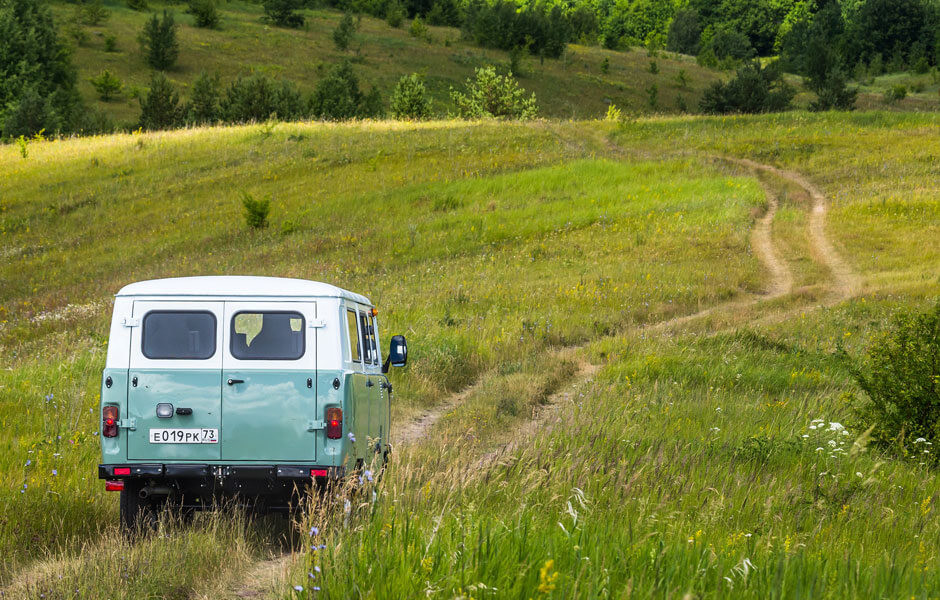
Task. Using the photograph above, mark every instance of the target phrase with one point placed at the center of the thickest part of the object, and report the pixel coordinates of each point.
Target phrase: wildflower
(369, 476)
(298, 588)
(28, 462)
(805, 435)
(54, 472)
(310, 575)
(547, 577)
(317, 569)
(314, 531)
(836, 426)
(832, 443)
(920, 440)
(351, 437)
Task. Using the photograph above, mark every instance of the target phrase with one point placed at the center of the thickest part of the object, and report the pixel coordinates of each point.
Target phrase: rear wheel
(137, 514)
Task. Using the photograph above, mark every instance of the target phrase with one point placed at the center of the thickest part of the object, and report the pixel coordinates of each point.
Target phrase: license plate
(184, 436)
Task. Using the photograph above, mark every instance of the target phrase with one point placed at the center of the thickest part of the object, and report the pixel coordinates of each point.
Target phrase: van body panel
(267, 417)
(114, 449)
(198, 390)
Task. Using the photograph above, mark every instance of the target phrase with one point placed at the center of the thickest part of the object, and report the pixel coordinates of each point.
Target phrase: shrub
(726, 46)
(338, 97)
(490, 95)
(895, 94)
(93, 12)
(685, 32)
(605, 65)
(900, 375)
(107, 85)
(394, 14)
(826, 78)
(77, 33)
(138, 5)
(754, 89)
(283, 13)
(203, 104)
(259, 98)
(110, 42)
(410, 99)
(682, 79)
(654, 67)
(419, 30)
(160, 109)
(205, 14)
(343, 34)
(652, 96)
(158, 42)
(255, 211)
(613, 113)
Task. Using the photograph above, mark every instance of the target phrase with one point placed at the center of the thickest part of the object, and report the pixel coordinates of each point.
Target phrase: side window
(267, 335)
(178, 335)
(374, 338)
(366, 337)
(353, 335)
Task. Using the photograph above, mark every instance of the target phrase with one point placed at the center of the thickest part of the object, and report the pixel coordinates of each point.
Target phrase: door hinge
(317, 323)
(131, 322)
(127, 424)
(316, 425)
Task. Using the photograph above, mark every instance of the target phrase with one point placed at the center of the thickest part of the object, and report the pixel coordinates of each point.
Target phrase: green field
(614, 404)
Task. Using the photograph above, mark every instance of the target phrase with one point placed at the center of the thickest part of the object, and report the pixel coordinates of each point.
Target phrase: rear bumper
(217, 473)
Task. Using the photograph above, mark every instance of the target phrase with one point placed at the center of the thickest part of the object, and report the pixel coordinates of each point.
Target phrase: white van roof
(238, 285)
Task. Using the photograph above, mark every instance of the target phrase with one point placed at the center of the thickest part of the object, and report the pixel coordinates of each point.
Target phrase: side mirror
(397, 353)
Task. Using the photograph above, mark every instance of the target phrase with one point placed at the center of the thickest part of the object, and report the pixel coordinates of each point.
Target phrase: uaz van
(252, 387)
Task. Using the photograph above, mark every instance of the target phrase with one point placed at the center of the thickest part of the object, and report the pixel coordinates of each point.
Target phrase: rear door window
(267, 335)
(368, 339)
(353, 335)
(178, 335)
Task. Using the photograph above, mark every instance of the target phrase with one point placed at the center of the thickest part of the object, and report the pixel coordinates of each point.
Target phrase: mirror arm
(385, 364)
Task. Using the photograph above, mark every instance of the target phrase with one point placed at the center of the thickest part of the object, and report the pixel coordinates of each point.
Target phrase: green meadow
(620, 408)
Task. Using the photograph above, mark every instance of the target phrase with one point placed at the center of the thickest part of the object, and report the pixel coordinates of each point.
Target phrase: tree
(826, 78)
(754, 89)
(203, 104)
(343, 33)
(107, 85)
(338, 97)
(410, 99)
(258, 98)
(160, 109)
(889, 28)
(490, 95)
(158, 42)
(37, 79)
(283, 13)
(685, 32)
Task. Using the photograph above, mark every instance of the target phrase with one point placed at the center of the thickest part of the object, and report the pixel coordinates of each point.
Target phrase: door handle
(370, 383)
(234, 381)
(184, 411)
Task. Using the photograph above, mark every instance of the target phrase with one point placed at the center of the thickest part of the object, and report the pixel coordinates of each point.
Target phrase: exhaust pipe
(155, 490)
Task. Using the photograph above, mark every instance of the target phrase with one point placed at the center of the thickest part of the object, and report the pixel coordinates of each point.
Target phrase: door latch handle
(234, 381)
(184, 411)
(134, 381)
(370, 383)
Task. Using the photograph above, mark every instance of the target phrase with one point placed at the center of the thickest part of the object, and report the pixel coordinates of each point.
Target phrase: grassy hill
(623, 408)
(571, 87)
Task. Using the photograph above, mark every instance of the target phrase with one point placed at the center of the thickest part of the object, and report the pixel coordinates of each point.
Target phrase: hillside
(624, 339)
(571, 87)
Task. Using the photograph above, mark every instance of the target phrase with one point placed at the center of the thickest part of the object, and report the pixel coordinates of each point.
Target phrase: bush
(158, 42)
(654, 67)
(255, 211)
(754, 89)
(110, 42)
(93, 12)
(283, 13)
(419, 30)
(343, 34)
(394, 14)
(900, 375)
(160, 109)
(258, 98)
(490, 95)
(895, 94)
(138, 5)
(685, 32)
(203, 104)
(205, 13)
(605, 65)
(726, 47)
(826, 78)
(107, 85)
(410, 99)
(338, 97)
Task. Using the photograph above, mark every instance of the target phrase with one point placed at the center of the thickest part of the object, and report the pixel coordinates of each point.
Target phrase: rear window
(268, 335)
(353, 335)
(177, 335)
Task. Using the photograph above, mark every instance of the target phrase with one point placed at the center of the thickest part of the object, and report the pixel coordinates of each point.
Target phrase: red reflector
(318, 472)
(109, 422)
(114, 486)
(122, 470)
(109, 418)
(334, 420)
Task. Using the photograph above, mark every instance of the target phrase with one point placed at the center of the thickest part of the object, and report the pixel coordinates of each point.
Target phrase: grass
(511, 255)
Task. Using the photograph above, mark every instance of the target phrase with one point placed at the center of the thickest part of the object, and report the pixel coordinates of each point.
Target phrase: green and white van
(252, 387)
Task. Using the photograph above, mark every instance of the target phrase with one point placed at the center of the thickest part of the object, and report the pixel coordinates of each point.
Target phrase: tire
(137, 514)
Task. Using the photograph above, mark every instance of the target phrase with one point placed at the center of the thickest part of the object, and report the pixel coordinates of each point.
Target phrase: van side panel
(331, 452)
(114, 449)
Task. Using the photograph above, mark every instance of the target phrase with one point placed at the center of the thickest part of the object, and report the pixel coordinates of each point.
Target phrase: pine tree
(160, 109)
(203, 104)
(343, 33)
(158, 42)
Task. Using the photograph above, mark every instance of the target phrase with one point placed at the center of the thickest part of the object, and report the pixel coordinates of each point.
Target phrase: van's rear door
(269, 393)
(175, 365)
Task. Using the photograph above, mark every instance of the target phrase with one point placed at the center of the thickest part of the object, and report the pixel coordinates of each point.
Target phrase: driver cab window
(351, 323)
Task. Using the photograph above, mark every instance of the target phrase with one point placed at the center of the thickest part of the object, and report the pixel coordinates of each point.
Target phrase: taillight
(114, 486)
(318, 472)
(122, 471)
(109, 421)
(334, 423)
